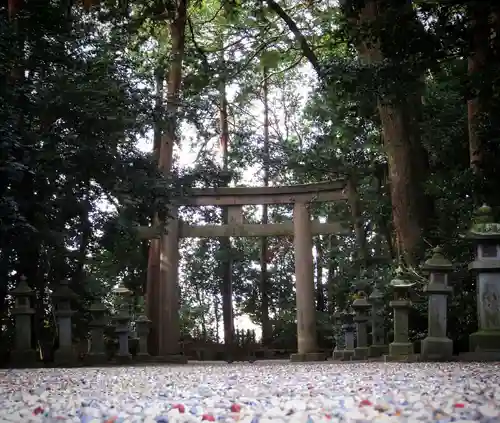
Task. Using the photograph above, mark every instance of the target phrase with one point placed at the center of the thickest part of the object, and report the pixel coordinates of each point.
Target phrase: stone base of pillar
(24, 358)
(95, 359)
(399, 349)
(484, 341)
(65, 356)
(347, 355)
(301, 358)
(436, 349)
(337, 354)
(361, 353)
(375, 351)
(484, 356)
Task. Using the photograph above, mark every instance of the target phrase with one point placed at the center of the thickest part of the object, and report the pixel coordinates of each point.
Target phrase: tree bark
(157, 297)
(477, 60)
(357, 218)
(405, 153)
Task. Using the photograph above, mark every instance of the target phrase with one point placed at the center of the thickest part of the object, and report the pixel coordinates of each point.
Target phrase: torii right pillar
(307, 344)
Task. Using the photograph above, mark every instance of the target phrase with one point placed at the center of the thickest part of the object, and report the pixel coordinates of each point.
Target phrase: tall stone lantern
(122, 320)
(361, 317)
(23, 354)
(338, 352)
(485, 233)
(437, 346)
(348, 329)
(143, 326)
(401, 304)
(378, 347)
(62, 297)
(97, 353)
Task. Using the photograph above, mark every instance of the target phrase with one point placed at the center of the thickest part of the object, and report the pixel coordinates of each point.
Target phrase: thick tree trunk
(402, 143)
(158, 298)
(264, 279)
(478, 55)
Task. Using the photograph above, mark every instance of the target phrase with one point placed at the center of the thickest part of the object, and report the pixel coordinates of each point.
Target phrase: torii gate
(163, 301)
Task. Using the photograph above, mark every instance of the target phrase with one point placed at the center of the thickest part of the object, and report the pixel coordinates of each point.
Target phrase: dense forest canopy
(398, 97)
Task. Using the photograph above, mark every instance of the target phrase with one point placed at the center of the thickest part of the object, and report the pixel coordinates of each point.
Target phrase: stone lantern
(122, 320)
(378, 347)
(62, 297)
(437, 346)
(23, 354)
(143, 326)
(348, 329)
(338, 352)
(97, 353)
(361, 317)
(401, 304)
(485, 234)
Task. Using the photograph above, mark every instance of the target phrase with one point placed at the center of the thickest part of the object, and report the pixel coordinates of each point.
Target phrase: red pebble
(179, 407)
(235, 408)
(365, 402)
(208, 417)
(459, 405)
(38, 410)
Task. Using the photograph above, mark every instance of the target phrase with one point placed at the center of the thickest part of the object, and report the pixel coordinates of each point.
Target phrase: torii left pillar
(168, 301)
(307, 345)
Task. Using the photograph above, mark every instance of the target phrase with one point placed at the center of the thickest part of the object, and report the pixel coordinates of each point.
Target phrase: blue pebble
(255, 420)
(85, 418)
(161, 419)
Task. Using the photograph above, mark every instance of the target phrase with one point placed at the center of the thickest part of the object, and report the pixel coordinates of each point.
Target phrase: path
(251, 393)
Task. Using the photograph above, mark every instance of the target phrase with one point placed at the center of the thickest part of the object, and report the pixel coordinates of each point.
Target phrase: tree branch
(292, 26)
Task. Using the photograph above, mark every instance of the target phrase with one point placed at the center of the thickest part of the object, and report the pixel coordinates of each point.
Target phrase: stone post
(143, 326)
(122, 321)
(169, 324)
(401, 347)
(65, 355)
(307, 348)
(338, 352)
(437, 346)
(97, 352)
(379, 346)
(361, 307)
(348, 328)
(486, 236)
(23, 354)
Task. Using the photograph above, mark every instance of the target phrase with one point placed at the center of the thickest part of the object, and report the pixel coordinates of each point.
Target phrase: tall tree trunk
(477, 60)
(402, 142)
(264, 247)
(320, 288)
(157, 297)
(357, 218)
(225, 242)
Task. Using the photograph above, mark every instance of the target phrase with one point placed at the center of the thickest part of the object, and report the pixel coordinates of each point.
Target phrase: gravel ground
(251, 393)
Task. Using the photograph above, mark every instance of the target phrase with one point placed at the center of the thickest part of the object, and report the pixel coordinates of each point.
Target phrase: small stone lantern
(122, 321)
(348, 329)
(338, 352)
(62, 297)
(361, 317)
(97, 353)
(23, 354)
(437, 346)
(401, 304)
(485, 234)
(378, 347)
(143, 326)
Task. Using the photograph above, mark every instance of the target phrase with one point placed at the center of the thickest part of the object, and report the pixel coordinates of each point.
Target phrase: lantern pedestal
(485, 233)
(378, 347)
